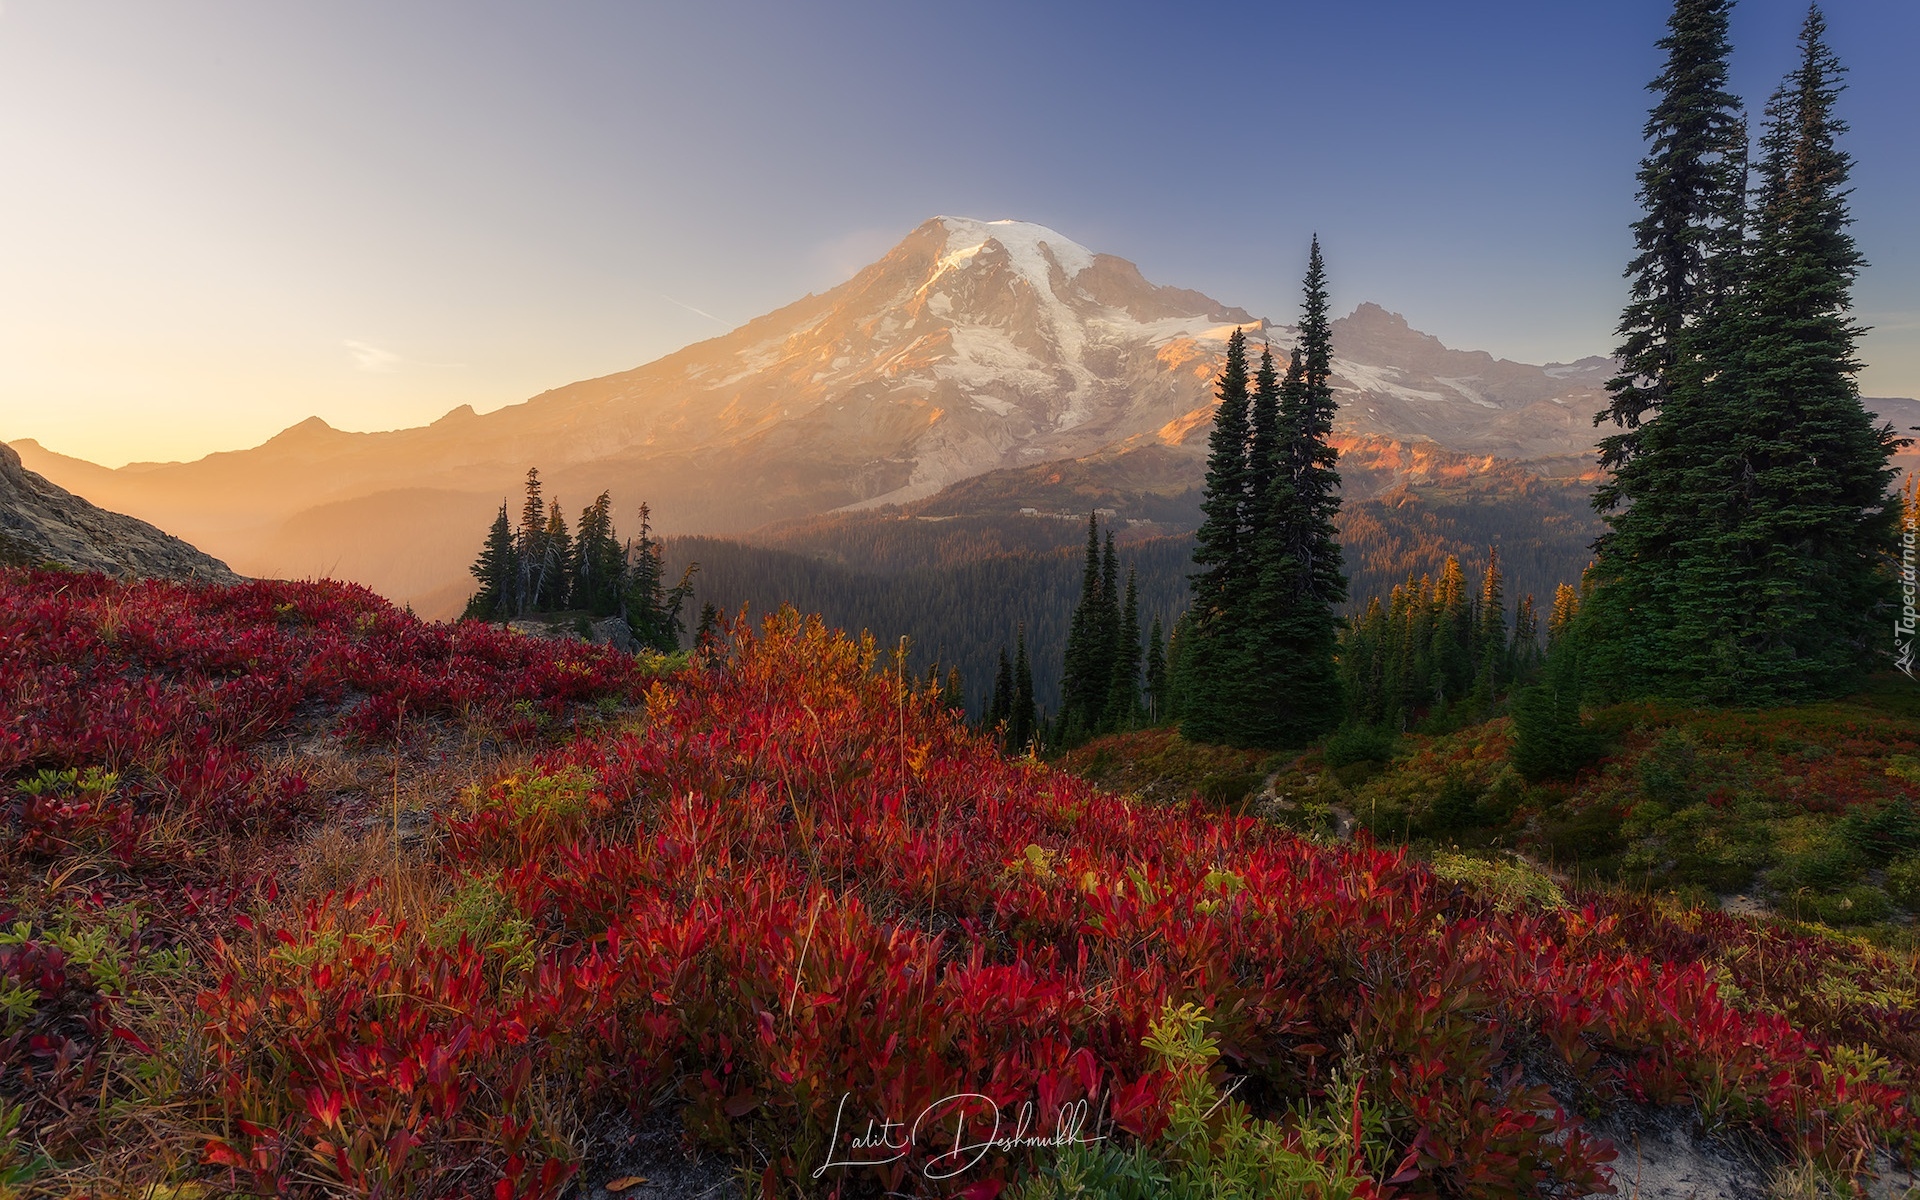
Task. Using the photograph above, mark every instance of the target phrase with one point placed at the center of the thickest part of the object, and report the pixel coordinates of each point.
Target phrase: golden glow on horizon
(222, 219)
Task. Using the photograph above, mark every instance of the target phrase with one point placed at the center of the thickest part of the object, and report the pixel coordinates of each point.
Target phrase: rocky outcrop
(574, 627)
(41, 523)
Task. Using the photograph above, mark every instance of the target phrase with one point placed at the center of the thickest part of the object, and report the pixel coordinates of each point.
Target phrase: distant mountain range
(978, 367)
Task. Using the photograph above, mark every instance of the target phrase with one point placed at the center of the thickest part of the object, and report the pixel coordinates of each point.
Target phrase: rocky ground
(44, 524)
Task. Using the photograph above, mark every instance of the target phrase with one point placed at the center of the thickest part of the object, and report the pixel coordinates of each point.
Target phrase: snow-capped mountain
(972, 346)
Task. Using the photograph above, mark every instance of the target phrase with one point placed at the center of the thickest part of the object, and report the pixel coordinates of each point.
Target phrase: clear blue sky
(219, 218)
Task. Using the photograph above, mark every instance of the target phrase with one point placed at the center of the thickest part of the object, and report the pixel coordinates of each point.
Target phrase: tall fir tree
(1263, 436)
(1220, 547)
(707, 635)
(1273, 678)
(1549, 738)
(558, 568)
(1087, 671)
(1023, 723)
(1525, 653)
(497, 571)
(1452, 654)
(650, 608)
(1692, 185)
(1001, 706)
(1158, 709)
(1302, 576)
(1491, 663)
(1123, 697)
(1676, 339)
(1311, 456)
(1211, 670)
(530, 545)
(599, 562)
(1566, 606)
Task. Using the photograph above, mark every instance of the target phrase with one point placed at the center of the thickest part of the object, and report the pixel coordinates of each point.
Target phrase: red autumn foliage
(800, 883)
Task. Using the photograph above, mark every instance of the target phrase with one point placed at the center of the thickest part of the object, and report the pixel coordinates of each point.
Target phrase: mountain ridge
(971, 347)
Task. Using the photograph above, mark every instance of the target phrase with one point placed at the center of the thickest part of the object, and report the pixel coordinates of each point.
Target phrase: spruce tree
(1108, 639)
(1416, 667)
(1365, 657)
(1001, 708)
(1452, 654)
(1405, 613)
(1220, 547)
(530, 546)
(1156, 671)
(1748, 559)
(1263, 437)
(1178, 673)
(1691, 195)
(557, 570)
(706, 636)
(1490, 649)
(1212, 670)
(1123, 698)
(599, 562)
(1549, 738)
(496, 570)
(1024, 721)
(1566, 606)
(1525, 651)
(1086, 671)
(1674, 396)
(650, 608)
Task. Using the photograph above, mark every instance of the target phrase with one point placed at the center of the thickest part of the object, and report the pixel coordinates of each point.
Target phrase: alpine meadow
(995, 726)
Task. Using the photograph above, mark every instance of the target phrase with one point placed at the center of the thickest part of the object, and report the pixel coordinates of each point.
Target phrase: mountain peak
(1029, 245)
(1370, 314)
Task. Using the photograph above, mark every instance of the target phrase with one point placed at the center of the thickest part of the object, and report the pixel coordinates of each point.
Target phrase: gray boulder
(44, 524)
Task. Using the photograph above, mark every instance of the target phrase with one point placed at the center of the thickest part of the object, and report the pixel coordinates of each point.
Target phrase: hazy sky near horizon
(219, 218)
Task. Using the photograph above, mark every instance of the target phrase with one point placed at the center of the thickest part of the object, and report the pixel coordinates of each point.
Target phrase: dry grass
(150, 1136)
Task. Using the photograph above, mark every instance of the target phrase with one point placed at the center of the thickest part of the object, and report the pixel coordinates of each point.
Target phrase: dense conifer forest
(958, 587)
(956, 614)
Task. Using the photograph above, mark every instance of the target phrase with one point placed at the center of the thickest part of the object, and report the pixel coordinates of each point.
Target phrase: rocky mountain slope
(971, 349)
(43, 523)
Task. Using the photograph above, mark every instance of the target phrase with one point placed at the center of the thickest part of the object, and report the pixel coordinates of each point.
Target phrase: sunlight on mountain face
(970, 346)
